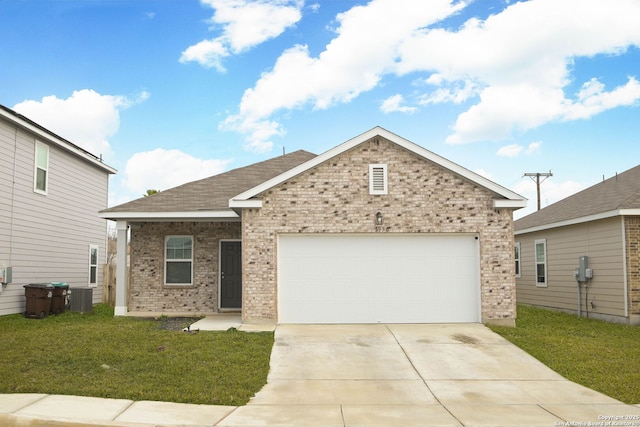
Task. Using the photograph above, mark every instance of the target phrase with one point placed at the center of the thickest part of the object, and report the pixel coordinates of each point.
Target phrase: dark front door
(230, 275)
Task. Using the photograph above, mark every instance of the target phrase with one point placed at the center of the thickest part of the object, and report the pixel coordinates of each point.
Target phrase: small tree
(151, 192)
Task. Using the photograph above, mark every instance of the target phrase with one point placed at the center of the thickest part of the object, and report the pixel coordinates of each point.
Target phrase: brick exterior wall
(147, 291)
(334, 198)
(632, 231)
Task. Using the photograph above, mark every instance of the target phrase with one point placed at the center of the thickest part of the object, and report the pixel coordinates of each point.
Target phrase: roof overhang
(52, 138)
(215, 216)
(506, 198)
(239, 204)
(580, 220)
(510, 204)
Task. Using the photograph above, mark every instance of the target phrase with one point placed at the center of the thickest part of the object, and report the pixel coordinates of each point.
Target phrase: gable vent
(378, 179)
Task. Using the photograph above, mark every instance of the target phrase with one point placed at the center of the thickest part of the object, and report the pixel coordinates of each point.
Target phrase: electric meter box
(583, 266)
(6, 274)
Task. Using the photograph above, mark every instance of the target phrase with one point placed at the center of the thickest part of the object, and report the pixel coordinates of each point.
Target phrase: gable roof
(504, 198)
(46, 134)
(618, 195)
(206, 198)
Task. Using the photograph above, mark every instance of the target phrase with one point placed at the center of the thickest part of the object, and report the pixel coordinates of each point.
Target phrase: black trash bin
(59, 297)
(38, 297)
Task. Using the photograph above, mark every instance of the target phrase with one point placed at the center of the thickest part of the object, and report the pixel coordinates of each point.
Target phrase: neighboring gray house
(51, 192)
(377, 229)
(602, 223)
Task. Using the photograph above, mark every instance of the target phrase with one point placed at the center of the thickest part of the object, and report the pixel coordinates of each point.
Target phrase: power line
(537, 176)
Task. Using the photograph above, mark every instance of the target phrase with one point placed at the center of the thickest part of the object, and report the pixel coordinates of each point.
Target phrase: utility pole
(537, 176)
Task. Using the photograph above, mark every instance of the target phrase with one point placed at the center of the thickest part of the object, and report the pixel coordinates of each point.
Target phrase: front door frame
(220, 242)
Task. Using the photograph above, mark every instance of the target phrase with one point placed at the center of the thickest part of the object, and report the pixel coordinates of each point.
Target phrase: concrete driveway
(432, 375)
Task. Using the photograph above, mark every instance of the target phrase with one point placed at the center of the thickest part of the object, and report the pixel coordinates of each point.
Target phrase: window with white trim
(93, 265)
(178, 260)
(541, 262)
(41, 168)
(378, 179)
(517, 258)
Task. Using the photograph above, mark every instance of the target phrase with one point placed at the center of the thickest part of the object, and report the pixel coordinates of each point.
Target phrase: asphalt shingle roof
(213, 193)
(619, 192)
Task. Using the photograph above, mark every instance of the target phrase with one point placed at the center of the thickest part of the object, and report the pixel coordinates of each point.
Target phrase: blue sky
(169, 91)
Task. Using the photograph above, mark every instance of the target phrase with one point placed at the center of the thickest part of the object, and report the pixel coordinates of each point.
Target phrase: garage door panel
(378, 278)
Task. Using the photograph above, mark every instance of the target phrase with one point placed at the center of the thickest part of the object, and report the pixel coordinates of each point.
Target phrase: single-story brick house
(377, 229)
(602, 223)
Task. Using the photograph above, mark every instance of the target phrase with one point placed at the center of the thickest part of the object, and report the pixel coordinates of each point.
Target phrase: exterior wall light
(379, 219)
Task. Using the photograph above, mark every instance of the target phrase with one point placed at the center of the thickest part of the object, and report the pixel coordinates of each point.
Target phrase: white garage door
(370, 278)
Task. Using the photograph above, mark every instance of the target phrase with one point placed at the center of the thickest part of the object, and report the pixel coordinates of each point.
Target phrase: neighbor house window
(541, 262)
(517, 258)
(378, 179)
(41, 169)
(93, 265)
(178, 260)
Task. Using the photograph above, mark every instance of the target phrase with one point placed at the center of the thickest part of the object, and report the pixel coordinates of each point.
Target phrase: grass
(96, 354)
(597, 354)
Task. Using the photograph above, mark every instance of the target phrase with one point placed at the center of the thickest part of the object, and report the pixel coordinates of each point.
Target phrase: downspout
(13, 194)
(624, 269)
(579, 298)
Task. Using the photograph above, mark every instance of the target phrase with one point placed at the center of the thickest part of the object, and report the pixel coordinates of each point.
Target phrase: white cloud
(517, 63)
(162, 169)
(593, 99)
(352, 63)
(512, 150)
(394, 104)
(533, 148)
(86, 118)
(245, 24)
(208, 53)
(457, 92)
(521, 59)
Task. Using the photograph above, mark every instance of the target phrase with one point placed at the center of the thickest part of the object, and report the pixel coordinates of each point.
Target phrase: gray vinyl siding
(46, 238)
(601, 241)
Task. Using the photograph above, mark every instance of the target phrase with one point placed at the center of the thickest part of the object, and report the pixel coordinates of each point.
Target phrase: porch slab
(223, 322)
(218, 322)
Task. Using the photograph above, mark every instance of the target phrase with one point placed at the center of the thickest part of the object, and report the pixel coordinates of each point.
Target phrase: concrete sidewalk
(364, 375)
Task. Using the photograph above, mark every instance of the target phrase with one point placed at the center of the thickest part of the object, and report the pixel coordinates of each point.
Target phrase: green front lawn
(99, 355)
(599, 355)
(96, 354)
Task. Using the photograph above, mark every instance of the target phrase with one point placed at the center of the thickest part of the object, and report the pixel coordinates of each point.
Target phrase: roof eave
(510, 203)
(214, 215)
(241, 204)
(580, 220)
(53, 138)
